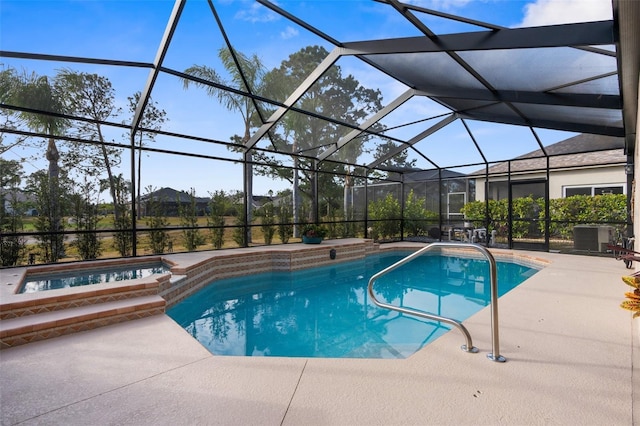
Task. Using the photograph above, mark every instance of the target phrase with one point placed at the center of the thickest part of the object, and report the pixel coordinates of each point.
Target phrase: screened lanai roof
(563, 77)
(575, 78)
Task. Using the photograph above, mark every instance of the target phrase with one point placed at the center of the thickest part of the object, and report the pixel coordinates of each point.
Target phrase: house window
(593, 190)
(581, 190)
(455, 203)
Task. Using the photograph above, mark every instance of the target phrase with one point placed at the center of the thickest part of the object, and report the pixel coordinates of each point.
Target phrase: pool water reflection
(325, 311)
(54, 281)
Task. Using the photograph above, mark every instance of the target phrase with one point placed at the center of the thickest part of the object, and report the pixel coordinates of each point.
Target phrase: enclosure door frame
(542, 186)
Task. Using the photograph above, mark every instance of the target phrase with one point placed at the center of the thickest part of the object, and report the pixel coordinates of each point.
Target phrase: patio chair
(625, 252)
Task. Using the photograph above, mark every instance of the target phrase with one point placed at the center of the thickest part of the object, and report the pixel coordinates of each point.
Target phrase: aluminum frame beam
(172, 23)
(526, 97)
(606, 130)
(367, 124)
(331, 58)
(74, 59)
(567, 35)
(431, 130)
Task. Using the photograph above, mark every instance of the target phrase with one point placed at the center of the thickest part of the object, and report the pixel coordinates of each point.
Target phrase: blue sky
(132, 30)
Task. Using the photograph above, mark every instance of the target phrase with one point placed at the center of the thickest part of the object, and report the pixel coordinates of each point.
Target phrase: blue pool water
(91, 276)
(326, 311)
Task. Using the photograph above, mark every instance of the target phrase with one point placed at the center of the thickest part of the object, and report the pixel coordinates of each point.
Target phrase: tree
(189, 220)
(386, 215)
(333, 95)
(92, 96)
(248, 71)
(122, 237)
(85, 214)
(217, 208)
(268, 216)
(398, 161)
(50, 237)
(37, 92)
(10, 176)
(152, 119)
(285, 230)
(11, 211)
(416, 216)
(158, 236)
(238, 235)
(10, 85)
(12, 246)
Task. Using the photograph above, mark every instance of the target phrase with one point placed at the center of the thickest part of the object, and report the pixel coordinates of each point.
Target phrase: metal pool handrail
(495, 341)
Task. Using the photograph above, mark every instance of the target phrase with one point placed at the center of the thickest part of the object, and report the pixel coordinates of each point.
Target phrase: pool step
(55, 300)
(43, 315)
(45, 325)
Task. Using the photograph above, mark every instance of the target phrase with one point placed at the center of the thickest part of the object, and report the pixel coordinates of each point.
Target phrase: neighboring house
(572, 171)
(10, 197)
(261, 200)
(170, 200)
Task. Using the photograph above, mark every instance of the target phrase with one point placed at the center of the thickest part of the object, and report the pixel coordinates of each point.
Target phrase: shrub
(267, 212)
(416, 216)
(189, 219)
(312, 230)
(285, 230)
(86, 219)
(564, 213)
(239, 235)
(217, 207)
(386, 217)
(158, 235)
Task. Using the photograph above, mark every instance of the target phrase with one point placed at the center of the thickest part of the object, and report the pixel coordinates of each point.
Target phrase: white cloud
(257, 13)
(550, 12)
(289, 32)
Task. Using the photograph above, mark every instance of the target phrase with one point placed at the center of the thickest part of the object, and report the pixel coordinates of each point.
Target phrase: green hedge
(564, 213)
(386, 215)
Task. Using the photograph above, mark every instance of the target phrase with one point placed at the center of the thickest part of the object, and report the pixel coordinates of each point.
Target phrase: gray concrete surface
(570, 355)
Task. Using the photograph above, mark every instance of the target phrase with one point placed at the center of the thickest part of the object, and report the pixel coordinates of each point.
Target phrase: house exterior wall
(609, 175)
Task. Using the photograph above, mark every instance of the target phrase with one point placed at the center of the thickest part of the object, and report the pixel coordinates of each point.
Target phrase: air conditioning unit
(592, 237)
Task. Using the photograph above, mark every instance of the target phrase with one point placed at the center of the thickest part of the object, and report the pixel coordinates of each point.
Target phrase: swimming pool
(82, 277)
(326, 312)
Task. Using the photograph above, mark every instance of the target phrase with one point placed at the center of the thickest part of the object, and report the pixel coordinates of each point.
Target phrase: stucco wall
(612, 175)
(601, 176)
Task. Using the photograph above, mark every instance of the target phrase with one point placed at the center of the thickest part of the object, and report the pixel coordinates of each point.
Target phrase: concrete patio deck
(572, 359)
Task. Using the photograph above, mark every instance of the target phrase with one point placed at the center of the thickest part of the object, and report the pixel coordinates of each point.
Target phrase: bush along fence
(564, 213)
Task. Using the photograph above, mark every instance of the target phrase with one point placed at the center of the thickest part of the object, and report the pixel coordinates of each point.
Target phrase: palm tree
(10, 83)
(37, 93)
(248, 71)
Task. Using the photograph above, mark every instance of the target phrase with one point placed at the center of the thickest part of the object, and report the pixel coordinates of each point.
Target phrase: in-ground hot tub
(53, 278)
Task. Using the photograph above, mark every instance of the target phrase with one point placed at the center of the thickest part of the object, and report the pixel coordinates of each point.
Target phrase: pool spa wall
(30, 317)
